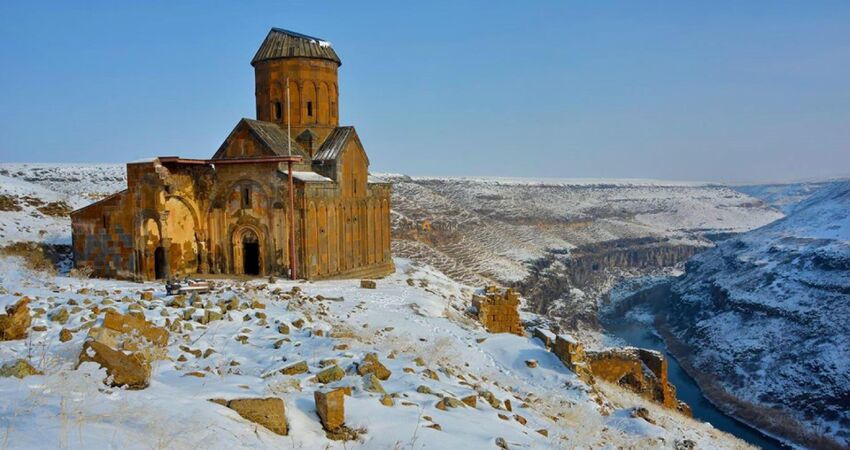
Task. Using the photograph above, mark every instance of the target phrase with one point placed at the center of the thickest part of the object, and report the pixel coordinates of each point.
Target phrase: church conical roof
(282, 43)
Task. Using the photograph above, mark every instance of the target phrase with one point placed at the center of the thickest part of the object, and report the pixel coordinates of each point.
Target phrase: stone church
(286, 194)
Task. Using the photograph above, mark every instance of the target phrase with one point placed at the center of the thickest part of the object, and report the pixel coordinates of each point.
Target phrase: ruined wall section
(103, 238)
(498, 310)
(639, 370)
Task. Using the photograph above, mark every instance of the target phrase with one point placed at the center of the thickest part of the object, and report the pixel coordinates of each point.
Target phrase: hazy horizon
(723, 92)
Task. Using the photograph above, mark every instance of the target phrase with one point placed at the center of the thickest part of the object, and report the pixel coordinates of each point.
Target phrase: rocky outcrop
(268, 412)
(125, 346)
(498, 310)
(16, 322)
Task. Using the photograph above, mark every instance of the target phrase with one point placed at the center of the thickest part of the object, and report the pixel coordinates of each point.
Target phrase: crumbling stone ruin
(639, 370)
(498, 310)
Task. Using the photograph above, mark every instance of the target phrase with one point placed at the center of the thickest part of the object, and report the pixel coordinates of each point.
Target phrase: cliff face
(565, 286)
(763, 317)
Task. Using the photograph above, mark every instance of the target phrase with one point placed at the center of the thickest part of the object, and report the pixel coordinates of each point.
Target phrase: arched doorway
(250, 253)
(159, 263)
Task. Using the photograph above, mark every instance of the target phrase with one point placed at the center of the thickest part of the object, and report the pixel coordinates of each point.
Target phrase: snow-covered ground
(71, 408)
(76, 185)
(766, 313)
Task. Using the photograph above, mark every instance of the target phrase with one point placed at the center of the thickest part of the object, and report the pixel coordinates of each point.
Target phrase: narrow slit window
(246, 197)
(277, 110)
(310, 109)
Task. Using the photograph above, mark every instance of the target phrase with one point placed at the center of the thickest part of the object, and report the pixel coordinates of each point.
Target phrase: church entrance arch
(248, 254)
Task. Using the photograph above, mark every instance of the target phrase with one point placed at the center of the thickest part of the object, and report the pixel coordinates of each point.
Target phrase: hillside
(286, 340)
(763, 317)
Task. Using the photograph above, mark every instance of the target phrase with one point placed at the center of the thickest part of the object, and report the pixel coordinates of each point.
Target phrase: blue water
(641, 335)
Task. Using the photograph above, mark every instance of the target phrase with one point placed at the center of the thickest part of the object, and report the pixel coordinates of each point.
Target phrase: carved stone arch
(294, 101)
(385, 229)
(308, 102)
(323, 102)
(333, 239)
(243, 236)
(311, 247)
(370, 232)
(322, 231)
(196, 221)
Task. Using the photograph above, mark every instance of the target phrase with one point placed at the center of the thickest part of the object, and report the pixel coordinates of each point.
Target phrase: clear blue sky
(731, 91)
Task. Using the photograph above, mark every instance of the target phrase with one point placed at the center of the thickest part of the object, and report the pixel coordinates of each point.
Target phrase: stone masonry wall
(498, 310)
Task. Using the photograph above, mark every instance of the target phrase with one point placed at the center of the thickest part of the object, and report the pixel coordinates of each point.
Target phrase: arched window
(277, 111)
(310, 109)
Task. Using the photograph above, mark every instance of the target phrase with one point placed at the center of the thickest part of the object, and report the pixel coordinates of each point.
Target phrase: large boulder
(125, 346)
(268, 412)
(15, 323)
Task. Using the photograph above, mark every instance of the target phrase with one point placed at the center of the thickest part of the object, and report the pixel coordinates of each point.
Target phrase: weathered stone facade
(498, 310)
(287, 191)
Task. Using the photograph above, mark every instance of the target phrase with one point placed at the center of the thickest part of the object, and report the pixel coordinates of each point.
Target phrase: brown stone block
(330, 406)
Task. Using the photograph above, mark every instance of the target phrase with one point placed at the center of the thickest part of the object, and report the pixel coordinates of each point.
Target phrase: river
(639, 334)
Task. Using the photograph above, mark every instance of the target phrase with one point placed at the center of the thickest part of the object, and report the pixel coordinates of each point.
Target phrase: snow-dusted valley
(565, 244)
(763, 316)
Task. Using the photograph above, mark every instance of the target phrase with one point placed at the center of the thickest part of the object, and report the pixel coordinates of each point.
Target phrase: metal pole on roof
(292, 259)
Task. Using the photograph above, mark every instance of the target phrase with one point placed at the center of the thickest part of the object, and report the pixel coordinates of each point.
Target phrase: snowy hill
(765, 316)
(413, 321)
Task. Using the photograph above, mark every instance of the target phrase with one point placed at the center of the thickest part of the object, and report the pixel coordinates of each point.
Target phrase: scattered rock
(283, 328)
(330, 375)
(423, 389)
(372, 384)
(543, 431)
(18, 369)
(298, 323)
(502, 443)
(431, 374)
(435, 426)
(268, 412)
(470, 400)
(531, 363)
(371, 364)
(65, 335)
(368, 284)
(685, 444)
(124, 346)
(387, 400)
(295, 369)
(15, 323)
(643, 413)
